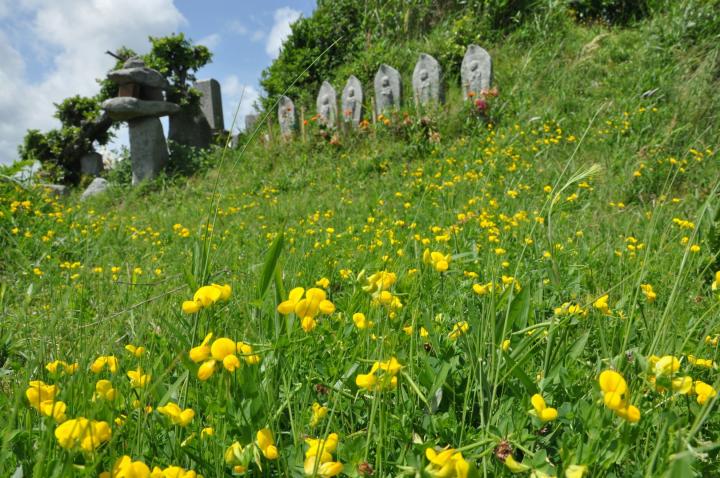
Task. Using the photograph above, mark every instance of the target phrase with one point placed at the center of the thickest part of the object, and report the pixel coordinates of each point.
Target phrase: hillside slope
(573, 233)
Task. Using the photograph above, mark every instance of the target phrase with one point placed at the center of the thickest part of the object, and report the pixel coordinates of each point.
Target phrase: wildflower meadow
(527, 285)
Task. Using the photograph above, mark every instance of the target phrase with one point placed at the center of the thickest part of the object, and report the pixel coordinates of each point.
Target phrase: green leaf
(270, 262)
(579, 346)
(517, 372)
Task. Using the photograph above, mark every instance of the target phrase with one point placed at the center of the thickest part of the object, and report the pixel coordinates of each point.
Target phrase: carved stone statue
(427, 80)
(286, 116)
(327, 105)
(388, 89)
(476, 71)
(352, 98)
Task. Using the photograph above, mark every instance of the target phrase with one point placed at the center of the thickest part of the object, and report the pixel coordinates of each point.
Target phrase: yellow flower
(380, 281)
(616, 396)
(206, 296)
(318, 458)
(666, 365)
(56, 410)
(201, 352)
(137, 378)
(699, 362)
(61, 367)
(481, 289)
(459, 329)
(315, 302)
(234, 454)
(542, 411)
(576, 471)
(446, 464)
(103, 361)
(439, 261)
(649, 293)
(136, 351)
(318, 413)
(601, 304)
(246, 351)
(715, 286)
(387, 379)
(207, 432)
(40, 392)
(266, 443)
(703, 391)
(682, 385)
(82, 433)
(126, 468)
(324, 283)
(505, 345)
(361, 322)
(177, 415)
(104, 390)
(514, 466)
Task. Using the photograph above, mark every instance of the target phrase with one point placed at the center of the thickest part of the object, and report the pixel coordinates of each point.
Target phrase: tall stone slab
(352, 98)
(326, 104)
(250, 122)
(148, 148)
(211, 103)
(388, 89)
(286, 116)
(476, 71)
(190, 127)
(426, 80)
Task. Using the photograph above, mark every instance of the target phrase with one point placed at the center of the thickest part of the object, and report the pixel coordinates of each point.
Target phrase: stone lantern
(141, 102)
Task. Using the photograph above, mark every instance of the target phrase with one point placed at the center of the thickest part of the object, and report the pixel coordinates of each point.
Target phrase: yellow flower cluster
(42, 398)
(439, 261)
(222, 351)
(319, 457)
(378, 285)
(314, 302)
(459, 329)
(318, 413)
(386, 379)
(125, 467)
(448, 463)
(568, 308)
(100, 363)
(266, 443)
(206, 296)
(60, 367)
(177, 415)
(616, 396)
(541, 410)
(662, 375)
(648, 292)
(601, 304)
(82, 433)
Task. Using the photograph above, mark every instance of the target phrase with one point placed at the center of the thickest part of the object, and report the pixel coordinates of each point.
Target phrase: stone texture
(211, 103)
(91, 164)
(97, 186)
(426, 80)
(126, 108)
(250, 122)
(190, 127)
(148, 149)
(388, 89)
(352, 98)
(141, 76)
(327, 105)
(286, 116)
(476, 70)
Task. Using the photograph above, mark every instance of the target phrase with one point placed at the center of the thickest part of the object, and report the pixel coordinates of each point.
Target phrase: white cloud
(240, 97)
(257, 36)
(210, 41)
(284, 17)
(236, 26)
(76, 34)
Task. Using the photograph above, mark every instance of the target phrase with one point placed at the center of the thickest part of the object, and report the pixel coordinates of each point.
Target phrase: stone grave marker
(250, 122)
(426, 80)
(476, 71)
(352, 98)
(286, 116)
(327, 105)
(388, 89)
(211, 103)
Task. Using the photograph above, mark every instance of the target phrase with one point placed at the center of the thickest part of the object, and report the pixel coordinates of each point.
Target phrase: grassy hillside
(573, 234)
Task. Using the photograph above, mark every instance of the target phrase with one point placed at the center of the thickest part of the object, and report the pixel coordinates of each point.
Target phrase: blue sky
(52, 49)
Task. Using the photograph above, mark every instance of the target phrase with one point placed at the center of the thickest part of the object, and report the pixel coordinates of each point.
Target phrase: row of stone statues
(475, 72)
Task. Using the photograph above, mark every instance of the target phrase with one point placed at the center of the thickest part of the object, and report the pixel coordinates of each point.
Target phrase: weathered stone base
(91, 164)
(148, 149)
(189, 127)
